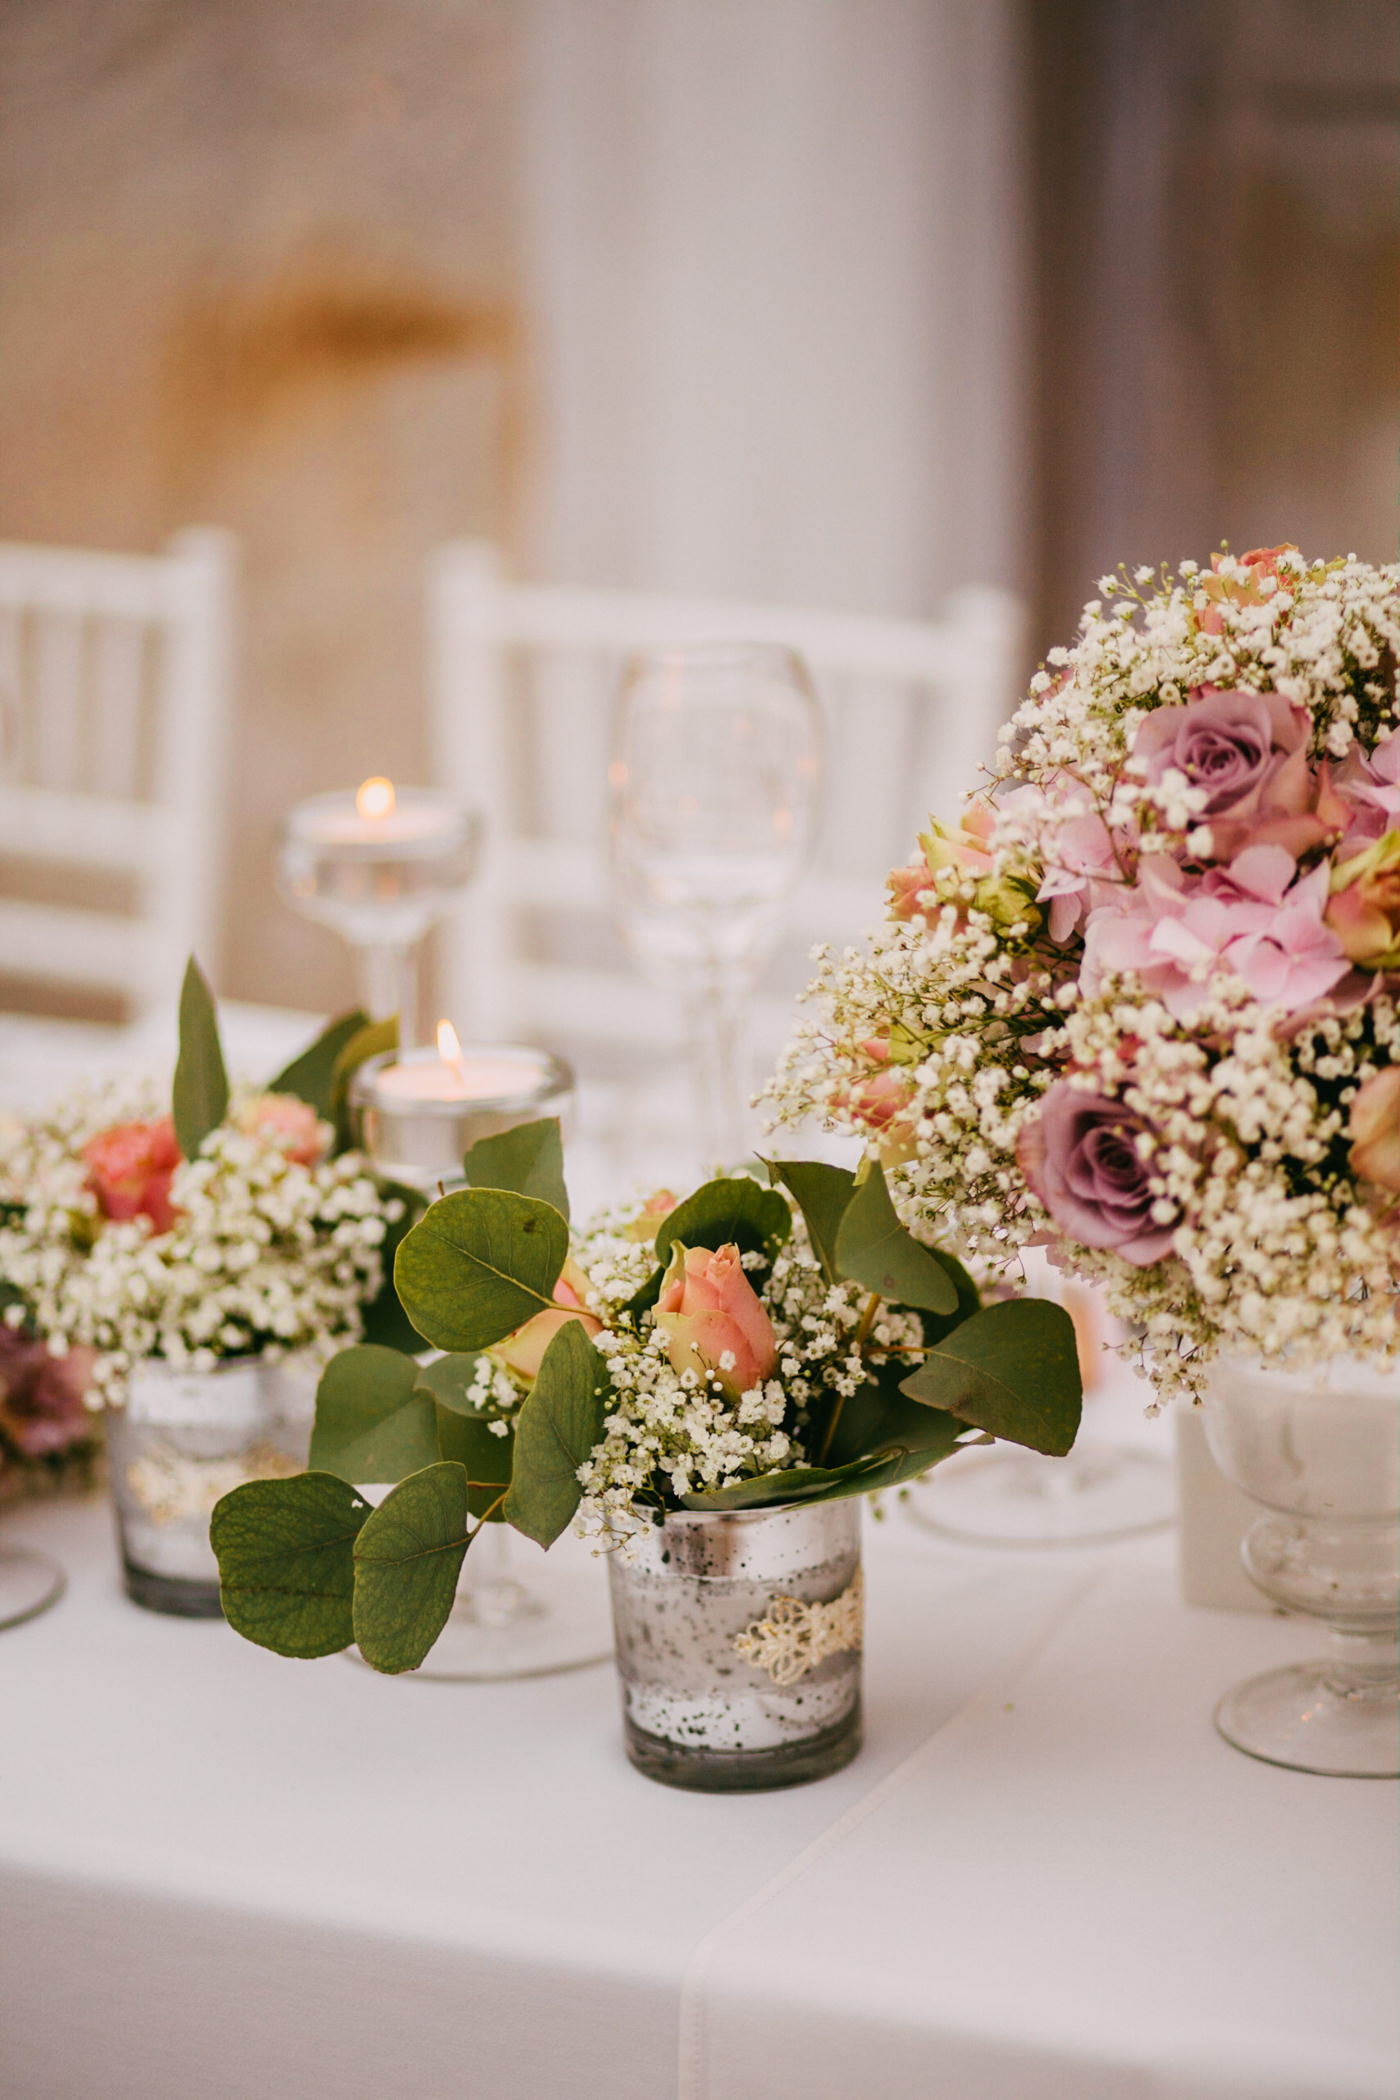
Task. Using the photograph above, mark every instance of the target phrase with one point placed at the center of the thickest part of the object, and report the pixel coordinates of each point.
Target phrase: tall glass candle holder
(519, 1612)
(380, 865)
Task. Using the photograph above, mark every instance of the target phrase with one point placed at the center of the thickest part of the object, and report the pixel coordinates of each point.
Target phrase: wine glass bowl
(714, 797)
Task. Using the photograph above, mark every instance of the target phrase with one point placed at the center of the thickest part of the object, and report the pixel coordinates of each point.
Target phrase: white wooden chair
(523, 680)
(114, 693)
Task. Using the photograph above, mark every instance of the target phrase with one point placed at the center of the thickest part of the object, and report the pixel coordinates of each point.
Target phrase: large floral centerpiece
(1141, 1003)
(234, 1223)
(762, 1345)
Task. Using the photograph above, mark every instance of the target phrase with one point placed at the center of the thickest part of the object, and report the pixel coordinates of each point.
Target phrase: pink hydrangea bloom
(1258, 918)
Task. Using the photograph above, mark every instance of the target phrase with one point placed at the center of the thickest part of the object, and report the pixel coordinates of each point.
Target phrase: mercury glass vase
(739, 1644)
(1320, 1451)
(183, 1439)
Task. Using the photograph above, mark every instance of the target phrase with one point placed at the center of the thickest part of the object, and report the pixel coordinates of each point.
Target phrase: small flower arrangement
(1141, 1004)
(757, 1346)
(237, 1224)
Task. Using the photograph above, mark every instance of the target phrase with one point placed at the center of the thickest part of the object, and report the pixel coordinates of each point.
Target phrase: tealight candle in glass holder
(418, 1112)
(381, 865)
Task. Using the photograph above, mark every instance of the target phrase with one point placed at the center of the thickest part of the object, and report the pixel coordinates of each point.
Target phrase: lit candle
(419, 1113)
(455, 1074)
(380, 864)
(377, 817)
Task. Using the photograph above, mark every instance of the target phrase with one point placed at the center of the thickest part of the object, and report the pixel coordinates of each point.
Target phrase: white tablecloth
(223, 1874)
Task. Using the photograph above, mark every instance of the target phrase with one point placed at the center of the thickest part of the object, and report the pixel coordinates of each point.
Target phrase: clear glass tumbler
(1320, 1450)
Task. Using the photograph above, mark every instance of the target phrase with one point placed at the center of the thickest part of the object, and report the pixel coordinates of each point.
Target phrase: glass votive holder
(417, 1116)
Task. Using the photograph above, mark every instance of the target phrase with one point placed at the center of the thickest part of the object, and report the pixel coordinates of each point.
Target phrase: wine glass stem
(388, 982)
(714, 1029)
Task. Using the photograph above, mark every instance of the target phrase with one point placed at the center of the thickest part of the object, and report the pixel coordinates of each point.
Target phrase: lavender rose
(1249, 751)
(1080, 1156)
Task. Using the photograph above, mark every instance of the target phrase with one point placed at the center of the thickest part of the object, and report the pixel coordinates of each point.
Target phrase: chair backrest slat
(115, 673)
(523, 689)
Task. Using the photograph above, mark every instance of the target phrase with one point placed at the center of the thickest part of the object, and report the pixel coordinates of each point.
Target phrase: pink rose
(658, 1205)
(1086, 1157)
(1249, 751)
(130, 1168)
(42, 1410)
(1367, 788)
(878, 1103)
(1374, 1129)
(1365, 908)
(522, 1351)
(292, 1123)
(965, 847)
(1263, 574)
(713, 1320)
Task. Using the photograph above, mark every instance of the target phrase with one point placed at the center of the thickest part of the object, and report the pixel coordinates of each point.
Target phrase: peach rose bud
(643, 1227)
(129, 1171)
(292, 1123)
(1364, 911)
(1374, 1129)
(713, 1321)
(523, 1351)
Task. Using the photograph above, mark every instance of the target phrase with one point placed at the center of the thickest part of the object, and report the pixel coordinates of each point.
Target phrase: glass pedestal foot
(521, 1612)
(29, 1583)
(1299, 1717)
(1010, 1497)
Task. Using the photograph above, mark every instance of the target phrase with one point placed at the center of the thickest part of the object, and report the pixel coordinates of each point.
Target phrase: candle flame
(375, 797)
(449, 1048)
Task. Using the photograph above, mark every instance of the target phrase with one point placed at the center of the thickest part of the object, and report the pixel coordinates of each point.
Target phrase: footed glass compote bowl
(29, 1583)
(1319, 1449)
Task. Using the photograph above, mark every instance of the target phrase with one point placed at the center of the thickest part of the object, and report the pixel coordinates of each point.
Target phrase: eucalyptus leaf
(560, 1421)
(371, 1421)
(796, 1484)
(407, 1560)
(874, 1250)
(478, 1264)
(448, 1379)
(733, 1209)
(528, 1159)
(286, 1561)
(199, 1097)
(879, 1415)
(1013, 1370)
(821, 1193)
(310, 1076)
(373, 1040)
(487, 1458)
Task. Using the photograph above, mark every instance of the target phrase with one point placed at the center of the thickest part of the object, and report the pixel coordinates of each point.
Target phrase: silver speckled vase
(739, 1646)
(183, 1439)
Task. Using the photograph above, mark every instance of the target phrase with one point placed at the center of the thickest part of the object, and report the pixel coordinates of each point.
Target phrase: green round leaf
(479, 1264)
(1013, 1370)
(407, 1561)
(371, 1421)
(286, 1561)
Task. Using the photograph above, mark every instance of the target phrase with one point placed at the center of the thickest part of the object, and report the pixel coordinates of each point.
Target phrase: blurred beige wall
(259, 271)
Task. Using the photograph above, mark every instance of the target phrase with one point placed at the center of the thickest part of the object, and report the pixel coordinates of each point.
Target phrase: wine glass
(715, 795)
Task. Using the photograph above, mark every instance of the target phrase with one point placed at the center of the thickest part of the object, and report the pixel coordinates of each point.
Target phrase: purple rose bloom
(42, 1409)
(1080, 1156)
(1249, 751)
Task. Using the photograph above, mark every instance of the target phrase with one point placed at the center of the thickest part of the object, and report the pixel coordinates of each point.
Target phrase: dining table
(225, 1875)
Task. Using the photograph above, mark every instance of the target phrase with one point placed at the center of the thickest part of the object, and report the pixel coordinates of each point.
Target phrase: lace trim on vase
(795, 1636)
